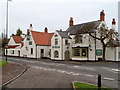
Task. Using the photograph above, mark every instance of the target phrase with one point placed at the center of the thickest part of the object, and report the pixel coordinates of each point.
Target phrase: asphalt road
(56, 74)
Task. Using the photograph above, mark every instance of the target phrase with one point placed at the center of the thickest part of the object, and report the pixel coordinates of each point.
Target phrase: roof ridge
(86, 22)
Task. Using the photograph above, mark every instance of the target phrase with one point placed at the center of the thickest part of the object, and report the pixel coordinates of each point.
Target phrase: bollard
(99, 82)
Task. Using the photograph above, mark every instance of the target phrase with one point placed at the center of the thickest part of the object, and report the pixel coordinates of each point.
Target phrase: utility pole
(7, 27)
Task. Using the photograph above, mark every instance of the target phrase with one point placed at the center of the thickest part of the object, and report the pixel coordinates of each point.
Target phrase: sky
(54, 14)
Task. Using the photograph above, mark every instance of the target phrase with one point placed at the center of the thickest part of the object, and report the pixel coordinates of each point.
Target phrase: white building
(76, 44)
(14, 45)
(73, 44)
(37, 44)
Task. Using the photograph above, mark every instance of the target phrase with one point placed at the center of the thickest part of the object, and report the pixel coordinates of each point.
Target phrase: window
(31, 50)
(119, 54)
(56, 54)
(12, 51)
(78, 39)
(76, 52)
(66, 42)
(27, 48)
(55, 35)
(30, 42)
(56, 41)
(50, 52)
(28, 37)
(81, 52)
(84, 52)
(42, 50)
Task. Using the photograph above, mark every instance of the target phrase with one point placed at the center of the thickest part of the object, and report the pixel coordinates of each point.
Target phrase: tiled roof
(83, 28)
(18, 39)
(42, 38)
(63, 34)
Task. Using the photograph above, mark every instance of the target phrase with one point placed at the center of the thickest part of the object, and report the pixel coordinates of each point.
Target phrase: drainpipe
(115, 53)
(95, 46)
(62, 48)
(36, 51)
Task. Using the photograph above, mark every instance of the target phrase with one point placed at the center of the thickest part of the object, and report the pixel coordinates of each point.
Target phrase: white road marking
(105, 78)
(89, 75)
(81, 67)
(112, 70)
(117, 70)
(76, 66)
(77, 74)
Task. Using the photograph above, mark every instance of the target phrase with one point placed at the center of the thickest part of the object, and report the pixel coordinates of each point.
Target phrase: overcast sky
(54, 14)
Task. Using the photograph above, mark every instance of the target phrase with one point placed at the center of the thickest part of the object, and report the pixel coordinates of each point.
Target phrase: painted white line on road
(89, 75)
(76, 66)
(71, 73)
(117, 70)
(76, 74)
(61, 71)
(60, 64)
(105, 78)
(81, 68)
(111, 70)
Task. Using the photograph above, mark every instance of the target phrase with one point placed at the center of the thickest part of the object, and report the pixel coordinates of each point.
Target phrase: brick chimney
(31, 28)
(71, 21)
(102, 16)
(113, 23)
(46, 30)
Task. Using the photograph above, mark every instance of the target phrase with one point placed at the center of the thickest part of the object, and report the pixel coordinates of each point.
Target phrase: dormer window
(78, 39)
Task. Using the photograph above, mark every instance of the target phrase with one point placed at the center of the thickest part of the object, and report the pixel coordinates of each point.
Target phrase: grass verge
(84, 86)
(2, 63)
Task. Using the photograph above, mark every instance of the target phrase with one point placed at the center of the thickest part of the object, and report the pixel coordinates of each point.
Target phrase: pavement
(10, 71)
(57, 74)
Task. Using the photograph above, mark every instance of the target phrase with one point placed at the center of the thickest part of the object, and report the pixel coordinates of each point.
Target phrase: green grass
(2, 63)
(84, 86)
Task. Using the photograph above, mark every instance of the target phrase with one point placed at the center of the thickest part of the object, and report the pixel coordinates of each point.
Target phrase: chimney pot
(30, 25)
(71, 21)
(46, 30)
(113, 22)
(102, 15)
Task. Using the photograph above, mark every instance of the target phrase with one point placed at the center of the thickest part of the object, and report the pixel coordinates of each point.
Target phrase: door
(42, 53)
(19, 53)
(67, 55)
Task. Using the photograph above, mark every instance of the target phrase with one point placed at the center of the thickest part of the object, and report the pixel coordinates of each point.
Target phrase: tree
(19, 32)
(106, 37)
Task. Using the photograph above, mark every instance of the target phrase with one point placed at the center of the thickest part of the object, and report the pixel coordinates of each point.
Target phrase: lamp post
(7, 26)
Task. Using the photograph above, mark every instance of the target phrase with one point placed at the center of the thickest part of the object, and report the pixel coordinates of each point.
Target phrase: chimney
(113, 24)
(71, 21)
(28, 31)
(102, 15)
(30, 27)
(46, 30)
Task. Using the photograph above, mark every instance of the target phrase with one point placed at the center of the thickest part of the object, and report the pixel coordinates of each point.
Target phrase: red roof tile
(18, 39)
(42, 38)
